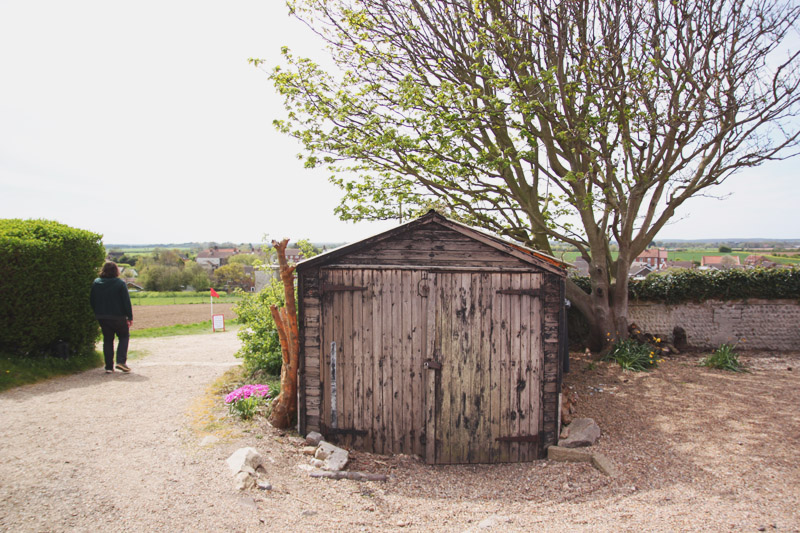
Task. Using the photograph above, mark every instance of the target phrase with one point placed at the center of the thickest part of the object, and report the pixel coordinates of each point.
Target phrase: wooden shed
(433, 339)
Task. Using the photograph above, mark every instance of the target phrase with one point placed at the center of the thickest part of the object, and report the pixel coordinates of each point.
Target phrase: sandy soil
(151, 316)
(697, 450)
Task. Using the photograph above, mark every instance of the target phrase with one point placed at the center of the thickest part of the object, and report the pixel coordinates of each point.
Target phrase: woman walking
(112, 307)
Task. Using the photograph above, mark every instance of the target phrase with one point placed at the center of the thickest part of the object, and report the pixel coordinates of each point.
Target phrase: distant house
(640, 270)
(759, 261)
(294, 255)
(679, 264)
(722, 260)
(214, 258)
(654, 257)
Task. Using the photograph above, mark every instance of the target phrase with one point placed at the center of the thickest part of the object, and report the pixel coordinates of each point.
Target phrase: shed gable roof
(433, 219)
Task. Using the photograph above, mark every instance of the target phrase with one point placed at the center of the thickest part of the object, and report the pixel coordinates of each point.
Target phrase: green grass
(16, 371)
(181, 329)
(697, 255)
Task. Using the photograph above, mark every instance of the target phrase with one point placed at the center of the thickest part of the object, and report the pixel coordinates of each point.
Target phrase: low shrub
(633, 355)
(724, 358)
(261, 349)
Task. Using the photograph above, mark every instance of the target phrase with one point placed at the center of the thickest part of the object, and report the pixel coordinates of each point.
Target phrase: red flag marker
(214, 293)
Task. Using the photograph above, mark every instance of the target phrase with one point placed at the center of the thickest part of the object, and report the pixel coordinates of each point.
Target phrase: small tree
(284, 408)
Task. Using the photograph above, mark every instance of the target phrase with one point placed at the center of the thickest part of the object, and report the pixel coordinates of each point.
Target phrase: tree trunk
(605, 309)
(284, 408)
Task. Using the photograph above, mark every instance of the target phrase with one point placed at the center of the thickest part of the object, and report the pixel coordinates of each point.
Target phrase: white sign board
(218, 322)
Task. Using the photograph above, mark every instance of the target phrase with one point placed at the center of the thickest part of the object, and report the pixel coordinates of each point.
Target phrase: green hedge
(697, 285)
(46, 273)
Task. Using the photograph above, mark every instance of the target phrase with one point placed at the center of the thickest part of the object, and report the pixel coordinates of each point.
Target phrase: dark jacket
(110, 299)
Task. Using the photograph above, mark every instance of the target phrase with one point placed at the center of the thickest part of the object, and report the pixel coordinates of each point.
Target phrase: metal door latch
(430, 364)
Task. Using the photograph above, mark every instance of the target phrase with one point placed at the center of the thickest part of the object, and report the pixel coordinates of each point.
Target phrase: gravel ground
(697, 450)
(151, 316)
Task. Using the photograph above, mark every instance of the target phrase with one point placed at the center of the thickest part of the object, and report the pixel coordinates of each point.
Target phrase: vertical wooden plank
(495, 368)
(377, 370)
(537, 354)
(386, 360)
(368, 364)
(526, 368)
(405, 361)
(483, 310)
(345, 371)
(327, 337)
(506, 375)
(431, 408)
(358, 359)
(341, 349)
(416, 402)
(516, 371)
(473, 387)
(394, 362)
(444, 341)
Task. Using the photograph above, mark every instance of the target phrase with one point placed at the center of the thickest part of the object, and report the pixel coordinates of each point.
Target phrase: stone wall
(765, 324)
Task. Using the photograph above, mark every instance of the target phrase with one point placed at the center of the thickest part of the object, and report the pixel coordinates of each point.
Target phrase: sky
(144, 122)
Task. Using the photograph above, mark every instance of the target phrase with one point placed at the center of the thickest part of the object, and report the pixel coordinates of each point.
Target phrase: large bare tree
(588, 122)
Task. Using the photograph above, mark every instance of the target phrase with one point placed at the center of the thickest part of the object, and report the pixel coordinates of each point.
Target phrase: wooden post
(284, 408)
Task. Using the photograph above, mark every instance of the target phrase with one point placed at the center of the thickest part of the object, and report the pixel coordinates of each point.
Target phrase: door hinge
(331, 287)
(519, 292)
(519, 438)
(430, 364)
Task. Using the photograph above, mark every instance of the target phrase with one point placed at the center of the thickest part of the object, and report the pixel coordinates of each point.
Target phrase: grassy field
(175, 298)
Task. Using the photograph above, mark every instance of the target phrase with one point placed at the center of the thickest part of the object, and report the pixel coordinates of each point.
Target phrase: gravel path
(697, 450)
(108, 452)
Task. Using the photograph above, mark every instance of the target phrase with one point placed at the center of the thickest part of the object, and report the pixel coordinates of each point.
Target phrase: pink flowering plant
(246, 400)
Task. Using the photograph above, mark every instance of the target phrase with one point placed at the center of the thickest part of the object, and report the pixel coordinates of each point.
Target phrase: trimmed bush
(46, 273)
(697, 285)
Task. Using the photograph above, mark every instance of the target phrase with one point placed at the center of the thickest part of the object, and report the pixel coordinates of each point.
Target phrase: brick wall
(765, 324)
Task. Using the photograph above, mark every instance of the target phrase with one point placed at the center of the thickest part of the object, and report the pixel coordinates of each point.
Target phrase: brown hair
(109, 270)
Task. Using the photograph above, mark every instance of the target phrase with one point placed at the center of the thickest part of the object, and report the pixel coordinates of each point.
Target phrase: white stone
(313, 439)
(335, 458)
(244, 457)
(244, 481)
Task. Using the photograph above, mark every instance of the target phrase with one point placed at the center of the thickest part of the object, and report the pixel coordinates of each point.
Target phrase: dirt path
(697, 450)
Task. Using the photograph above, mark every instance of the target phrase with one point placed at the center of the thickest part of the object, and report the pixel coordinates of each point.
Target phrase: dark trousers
(118, 327)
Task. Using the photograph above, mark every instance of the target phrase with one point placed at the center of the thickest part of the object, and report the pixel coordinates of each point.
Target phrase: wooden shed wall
(429, 247)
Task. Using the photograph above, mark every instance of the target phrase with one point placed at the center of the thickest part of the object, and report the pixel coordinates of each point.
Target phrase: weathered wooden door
(445, 365)
(488, 354)
(373, 338)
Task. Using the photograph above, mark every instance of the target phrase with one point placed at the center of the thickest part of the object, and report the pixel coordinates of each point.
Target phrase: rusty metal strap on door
(519, 438)
(332, 287)
(519, 292)
(325, 430)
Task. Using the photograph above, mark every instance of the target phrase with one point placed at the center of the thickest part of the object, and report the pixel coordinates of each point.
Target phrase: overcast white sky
(143, 121)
